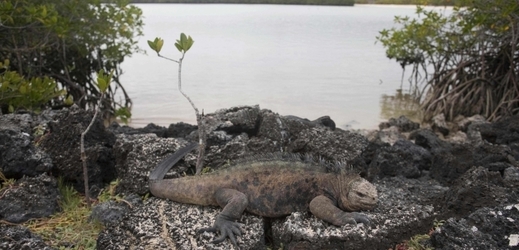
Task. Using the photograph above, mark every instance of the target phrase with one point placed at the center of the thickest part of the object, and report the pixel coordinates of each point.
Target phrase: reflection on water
(403, 102)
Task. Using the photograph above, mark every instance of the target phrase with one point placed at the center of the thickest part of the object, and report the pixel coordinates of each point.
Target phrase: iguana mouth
(370, 203)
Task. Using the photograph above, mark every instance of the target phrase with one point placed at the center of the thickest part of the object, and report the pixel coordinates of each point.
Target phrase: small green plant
(417, 242)
(146, 197)
(438, 223)
(207, 170)
(103, 81)
(69, 229)
(16, 92)
(183, 45)
(69, 196)
(124, 114)
(6, 183)
(108, 194)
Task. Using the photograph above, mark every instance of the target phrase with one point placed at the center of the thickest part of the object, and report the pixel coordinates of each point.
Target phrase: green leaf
(183, 39)
(189, 43)
(159, 42)
(44, 11)
(179, 47)
(184, 43)
(156, 44)
(69, 100)
(123, 113)
(103, 80)
(101, 84)
(152, 45)
(23, 89)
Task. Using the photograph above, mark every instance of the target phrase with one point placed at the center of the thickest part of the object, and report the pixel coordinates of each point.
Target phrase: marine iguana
(269, 188)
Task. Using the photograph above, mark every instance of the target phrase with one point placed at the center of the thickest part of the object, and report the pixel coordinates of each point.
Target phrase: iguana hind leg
(325, 209)
(234, 203)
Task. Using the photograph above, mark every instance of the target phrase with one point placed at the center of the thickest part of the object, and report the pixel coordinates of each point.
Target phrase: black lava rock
(19, 156)
(486, 228)
(20, 237)
(29, 198)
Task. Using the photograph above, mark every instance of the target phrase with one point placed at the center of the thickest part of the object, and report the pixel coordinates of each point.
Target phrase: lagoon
(307, 61)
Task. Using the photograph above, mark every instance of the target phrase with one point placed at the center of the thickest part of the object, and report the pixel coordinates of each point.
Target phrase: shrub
(16, 92)
(68, 41)
(473, 54)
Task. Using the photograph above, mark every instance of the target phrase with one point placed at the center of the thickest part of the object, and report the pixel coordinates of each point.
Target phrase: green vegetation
(30, 94)
(420, 241)
(6, 183)
(56, 46)
(303, 2)
(473, 54)
(183, 45)
(109, 194)
(71, 228)
(417, 242)
(411, 2)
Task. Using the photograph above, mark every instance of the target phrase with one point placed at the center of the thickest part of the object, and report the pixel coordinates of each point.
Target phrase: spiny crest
(308, 160)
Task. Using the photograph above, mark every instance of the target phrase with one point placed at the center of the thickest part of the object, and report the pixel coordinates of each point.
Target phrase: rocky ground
(456, 182)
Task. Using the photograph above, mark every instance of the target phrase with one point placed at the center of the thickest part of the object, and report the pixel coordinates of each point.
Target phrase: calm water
(307, 61)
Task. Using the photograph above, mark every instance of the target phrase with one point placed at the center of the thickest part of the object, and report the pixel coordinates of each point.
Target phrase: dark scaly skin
(272, 188)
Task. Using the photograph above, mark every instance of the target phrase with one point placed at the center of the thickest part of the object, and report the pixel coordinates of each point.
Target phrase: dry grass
(69, 229)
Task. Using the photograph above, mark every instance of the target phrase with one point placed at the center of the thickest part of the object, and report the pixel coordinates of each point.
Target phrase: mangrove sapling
(183, 45)
(103, 81)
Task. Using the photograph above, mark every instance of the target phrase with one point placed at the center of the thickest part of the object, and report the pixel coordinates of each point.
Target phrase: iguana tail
(160, 171)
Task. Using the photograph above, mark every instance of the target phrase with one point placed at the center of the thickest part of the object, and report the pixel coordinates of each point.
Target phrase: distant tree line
(302, 2)
(309, 2)
(411, 2)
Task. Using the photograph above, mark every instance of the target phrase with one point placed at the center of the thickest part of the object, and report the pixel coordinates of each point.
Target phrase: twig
(83, 154)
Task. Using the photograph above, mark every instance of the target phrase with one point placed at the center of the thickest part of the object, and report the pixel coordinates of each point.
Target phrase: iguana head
(357, 194)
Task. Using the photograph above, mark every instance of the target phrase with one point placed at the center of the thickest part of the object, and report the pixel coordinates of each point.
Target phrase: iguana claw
(361, 218)
(354, 218)
(227, 228)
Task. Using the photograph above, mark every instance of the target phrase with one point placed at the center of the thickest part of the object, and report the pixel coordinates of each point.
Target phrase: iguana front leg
(233, 203)
(325, 209)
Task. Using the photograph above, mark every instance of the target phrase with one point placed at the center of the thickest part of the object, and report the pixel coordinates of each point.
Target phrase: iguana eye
(361, 195)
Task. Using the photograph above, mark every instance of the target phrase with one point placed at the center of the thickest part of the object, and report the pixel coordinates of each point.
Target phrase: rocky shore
(456, 184)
